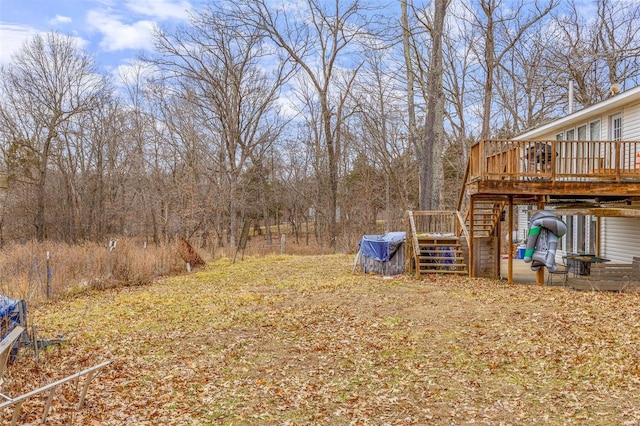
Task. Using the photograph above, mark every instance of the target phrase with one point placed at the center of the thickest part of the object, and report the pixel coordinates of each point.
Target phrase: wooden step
(443, 271)
(436, 257)
(433, 265)
(440, 247)
(453, 239)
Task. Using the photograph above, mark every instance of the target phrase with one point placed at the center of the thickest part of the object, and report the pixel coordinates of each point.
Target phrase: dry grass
(301, 340)
(74, 268)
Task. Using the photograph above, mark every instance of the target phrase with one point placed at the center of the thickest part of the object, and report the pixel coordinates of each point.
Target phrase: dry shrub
(132, 264)
(73, 268)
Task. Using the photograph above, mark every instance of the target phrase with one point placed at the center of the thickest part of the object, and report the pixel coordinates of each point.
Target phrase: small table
(581, 263)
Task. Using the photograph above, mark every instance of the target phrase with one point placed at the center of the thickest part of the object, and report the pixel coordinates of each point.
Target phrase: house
(615, 119)
(584, 167)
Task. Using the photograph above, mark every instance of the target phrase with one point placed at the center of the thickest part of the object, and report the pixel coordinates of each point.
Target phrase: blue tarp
(381, 247)
(9, 315)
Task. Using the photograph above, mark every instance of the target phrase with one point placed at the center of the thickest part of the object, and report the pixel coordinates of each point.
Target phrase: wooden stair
(440, 255)
(486, 215)
(439, 241)
(437, 244)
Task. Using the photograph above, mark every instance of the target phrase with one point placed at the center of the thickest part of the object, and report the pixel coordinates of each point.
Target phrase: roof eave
(582, 115)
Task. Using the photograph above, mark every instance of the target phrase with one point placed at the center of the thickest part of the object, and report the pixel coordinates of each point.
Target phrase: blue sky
(115, 31)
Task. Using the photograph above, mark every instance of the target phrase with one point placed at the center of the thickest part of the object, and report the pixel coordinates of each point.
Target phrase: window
(593, 237)
(582, 133)
(568, 239)
(570, 134)
(616, 127)
(582, 151)
(560, 136)
(594, 148)
(594, 130)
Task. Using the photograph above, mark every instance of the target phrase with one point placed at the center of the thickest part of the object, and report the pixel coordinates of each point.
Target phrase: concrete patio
(522, 273)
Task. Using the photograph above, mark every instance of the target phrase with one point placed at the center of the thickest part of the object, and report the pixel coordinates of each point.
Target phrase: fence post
(112, 246)
(49, 275)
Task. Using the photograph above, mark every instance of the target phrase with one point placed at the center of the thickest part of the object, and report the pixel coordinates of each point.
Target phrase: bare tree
(501, 29)
(460, 64)
(214, 65)
(430, 161)
(321, 39)
(412, 134)
(596, 51)
(382, 137)
(48, 83)
(527, 92)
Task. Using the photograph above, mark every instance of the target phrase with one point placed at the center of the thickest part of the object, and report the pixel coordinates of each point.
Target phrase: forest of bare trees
(328, 117)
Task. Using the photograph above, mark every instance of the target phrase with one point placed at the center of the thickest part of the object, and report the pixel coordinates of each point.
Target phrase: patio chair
(562, 270)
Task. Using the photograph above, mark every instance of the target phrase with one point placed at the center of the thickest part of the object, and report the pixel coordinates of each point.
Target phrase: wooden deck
(555, 168)
(575, 177)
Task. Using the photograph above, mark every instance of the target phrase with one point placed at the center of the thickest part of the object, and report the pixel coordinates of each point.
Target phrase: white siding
(604, 128)
(523, 223)
(631, 123)
(549, 136)
(620, 239)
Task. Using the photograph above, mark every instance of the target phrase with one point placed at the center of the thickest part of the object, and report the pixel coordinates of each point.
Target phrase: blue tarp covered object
(381, 247)
(10, 315)
(382, 254)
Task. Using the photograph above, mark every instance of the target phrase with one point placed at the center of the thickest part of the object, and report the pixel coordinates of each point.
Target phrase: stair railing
(414, 236)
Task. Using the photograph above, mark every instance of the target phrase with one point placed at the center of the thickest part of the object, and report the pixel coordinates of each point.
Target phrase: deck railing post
(617, 160)
(472, 269)
(554, 153)
(482, 159)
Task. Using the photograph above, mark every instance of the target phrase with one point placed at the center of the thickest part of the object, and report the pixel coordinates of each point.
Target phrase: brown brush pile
(189, 254)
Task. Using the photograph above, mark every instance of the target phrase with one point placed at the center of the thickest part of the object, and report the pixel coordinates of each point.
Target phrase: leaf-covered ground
(302, 340)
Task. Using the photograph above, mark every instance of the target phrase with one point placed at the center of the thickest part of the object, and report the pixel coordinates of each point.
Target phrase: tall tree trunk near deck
(489, 53)
(411, 109)
(433, 143)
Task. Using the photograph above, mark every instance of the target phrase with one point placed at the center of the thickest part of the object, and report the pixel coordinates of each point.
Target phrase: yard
(302, 340)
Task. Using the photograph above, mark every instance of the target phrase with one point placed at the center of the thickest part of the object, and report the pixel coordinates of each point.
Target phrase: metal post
(48, 276)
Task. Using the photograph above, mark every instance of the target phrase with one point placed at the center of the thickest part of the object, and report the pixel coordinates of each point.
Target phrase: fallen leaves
(301, 340)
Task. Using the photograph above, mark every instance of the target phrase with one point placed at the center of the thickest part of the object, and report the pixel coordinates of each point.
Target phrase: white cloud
(120, 36)
(59, 19)
(120, 31)
(161, 9)
(12, 38)
(130, 72)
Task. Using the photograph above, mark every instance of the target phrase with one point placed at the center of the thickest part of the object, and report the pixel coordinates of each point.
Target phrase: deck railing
(437, 223)
(552, 160)
(433, 223)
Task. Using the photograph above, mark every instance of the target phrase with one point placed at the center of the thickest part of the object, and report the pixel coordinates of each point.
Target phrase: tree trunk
(39, 222)
(489, 54)
(433, 145)
(411, 110)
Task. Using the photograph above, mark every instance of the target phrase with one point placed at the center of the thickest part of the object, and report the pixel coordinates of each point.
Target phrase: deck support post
(510, 242)
(498, 232)
(472, 257)
(540, 272)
